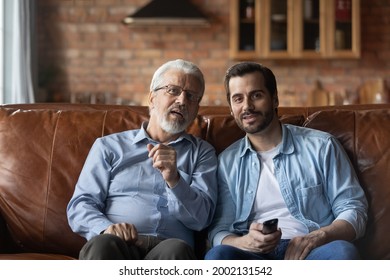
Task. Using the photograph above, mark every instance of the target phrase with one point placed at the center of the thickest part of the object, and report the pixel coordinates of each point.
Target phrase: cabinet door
(294, 29)
(285, 29)
(344, 28)
(310, 28)
(244, 25)
(278, 28)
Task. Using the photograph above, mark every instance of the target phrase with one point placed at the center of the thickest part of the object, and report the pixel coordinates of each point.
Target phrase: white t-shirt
(269, 202)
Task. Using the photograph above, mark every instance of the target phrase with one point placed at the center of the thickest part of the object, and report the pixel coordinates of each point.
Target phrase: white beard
(174, 126)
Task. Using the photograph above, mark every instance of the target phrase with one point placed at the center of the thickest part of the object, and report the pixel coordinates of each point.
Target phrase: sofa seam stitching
(104, 121)
(50, 175)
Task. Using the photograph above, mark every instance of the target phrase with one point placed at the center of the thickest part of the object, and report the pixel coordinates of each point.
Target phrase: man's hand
(299, 247)
(164, 159)
(255, 241)
(127, 232)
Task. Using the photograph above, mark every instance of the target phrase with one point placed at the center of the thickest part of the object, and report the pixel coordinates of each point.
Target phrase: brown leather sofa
(43, 148)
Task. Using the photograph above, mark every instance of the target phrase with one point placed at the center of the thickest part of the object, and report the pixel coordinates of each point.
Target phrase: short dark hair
(242, 68)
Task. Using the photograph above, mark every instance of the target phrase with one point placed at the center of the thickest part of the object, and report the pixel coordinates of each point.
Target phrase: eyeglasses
(177, 90)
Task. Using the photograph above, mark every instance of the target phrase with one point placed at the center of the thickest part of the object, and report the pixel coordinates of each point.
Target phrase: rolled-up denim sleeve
(349, 202)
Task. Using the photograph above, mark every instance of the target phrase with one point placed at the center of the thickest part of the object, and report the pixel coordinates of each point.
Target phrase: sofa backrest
(43, 148)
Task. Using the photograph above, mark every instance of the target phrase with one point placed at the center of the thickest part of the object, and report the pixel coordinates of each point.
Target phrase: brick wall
(84, 48)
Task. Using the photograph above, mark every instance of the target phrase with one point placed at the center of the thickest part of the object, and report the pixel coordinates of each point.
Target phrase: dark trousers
(111, 247)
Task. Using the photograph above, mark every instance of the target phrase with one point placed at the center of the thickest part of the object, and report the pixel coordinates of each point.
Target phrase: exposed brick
(89, 42)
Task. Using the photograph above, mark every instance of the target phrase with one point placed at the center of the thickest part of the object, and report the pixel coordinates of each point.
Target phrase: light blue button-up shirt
(119, 184)
(316, 179)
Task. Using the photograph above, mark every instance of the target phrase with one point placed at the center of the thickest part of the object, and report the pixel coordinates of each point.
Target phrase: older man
(142, 193)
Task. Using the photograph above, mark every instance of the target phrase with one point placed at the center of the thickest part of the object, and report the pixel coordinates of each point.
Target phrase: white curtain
(1, 51)
(18, 49)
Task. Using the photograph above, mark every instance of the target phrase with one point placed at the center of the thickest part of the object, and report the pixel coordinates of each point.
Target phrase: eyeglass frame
(191, 95)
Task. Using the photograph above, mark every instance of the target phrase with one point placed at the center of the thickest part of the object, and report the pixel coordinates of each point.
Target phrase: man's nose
(248, 104)
(182, 97)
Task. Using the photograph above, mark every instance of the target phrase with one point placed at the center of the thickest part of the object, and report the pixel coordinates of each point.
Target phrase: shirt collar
(286, 147)
(142, 135)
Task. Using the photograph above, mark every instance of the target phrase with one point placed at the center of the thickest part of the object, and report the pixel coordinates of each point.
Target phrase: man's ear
(230, 109)
(151, 99)
(276, 100)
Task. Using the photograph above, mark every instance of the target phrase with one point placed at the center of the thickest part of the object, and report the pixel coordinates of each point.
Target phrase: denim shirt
(118, 183)
(316, 179)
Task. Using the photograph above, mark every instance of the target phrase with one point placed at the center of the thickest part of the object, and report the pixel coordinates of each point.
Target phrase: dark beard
(252, 129)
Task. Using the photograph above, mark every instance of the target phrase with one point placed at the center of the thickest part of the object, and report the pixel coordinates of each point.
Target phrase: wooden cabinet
(285, 29)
